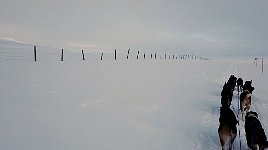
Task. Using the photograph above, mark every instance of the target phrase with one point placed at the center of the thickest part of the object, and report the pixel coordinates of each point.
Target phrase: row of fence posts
(144, 56)
(128, 53)
(256, 62)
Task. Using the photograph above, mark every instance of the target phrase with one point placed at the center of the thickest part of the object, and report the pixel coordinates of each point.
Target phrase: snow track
(240, 142)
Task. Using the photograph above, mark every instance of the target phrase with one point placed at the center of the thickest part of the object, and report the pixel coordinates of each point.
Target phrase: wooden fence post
(262, 65)
(34, 53)
(61, 54)
(128, 53)
(138, 54)
(83, 54)
(101, 56)
(256, 61)
(115, 54)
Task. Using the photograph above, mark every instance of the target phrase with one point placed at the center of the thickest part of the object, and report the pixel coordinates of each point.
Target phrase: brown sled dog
(255, 134)
(227, 129)
(245, 102)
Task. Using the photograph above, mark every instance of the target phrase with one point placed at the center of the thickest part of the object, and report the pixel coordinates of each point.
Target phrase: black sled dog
(248, 86)
(227, 129)
(226, 95)
(256, 138)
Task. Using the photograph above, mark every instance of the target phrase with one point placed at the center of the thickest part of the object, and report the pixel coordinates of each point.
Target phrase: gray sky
(200, 26)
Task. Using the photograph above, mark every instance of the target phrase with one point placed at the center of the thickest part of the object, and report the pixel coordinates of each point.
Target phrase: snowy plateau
(151, 104)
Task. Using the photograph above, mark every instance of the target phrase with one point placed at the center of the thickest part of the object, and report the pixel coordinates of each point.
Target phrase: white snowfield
(118, 105)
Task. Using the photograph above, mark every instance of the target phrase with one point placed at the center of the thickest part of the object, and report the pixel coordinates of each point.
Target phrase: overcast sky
(202, 26)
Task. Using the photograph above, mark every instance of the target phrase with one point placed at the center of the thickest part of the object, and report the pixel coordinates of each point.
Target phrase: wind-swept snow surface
(122, 105)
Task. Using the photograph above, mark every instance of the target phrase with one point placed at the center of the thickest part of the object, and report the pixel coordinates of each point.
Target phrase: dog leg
(225, 137)
(242, 108)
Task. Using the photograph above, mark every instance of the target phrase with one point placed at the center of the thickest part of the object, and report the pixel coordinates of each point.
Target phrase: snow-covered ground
(117, 105)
